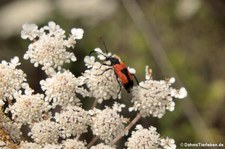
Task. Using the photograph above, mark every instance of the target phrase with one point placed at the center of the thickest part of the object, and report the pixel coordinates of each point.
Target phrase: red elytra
(124, 75)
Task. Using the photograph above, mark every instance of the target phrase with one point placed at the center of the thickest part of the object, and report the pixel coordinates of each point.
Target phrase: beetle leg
(119, 83)
(138, 82)
(104, 65)
(135, 79)
(119, 89)
(103, 71)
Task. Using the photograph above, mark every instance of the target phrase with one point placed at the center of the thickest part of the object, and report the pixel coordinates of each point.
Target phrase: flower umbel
(100, 80)
(73, 121)
(108, 123)
(45, 132)
(11, 79)
(153, 97)
(49, 48)
(144, 138)
(36, 108)
(60, 89)
(148, 138)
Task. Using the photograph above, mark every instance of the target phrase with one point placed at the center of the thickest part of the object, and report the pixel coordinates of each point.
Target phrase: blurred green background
(180, 38)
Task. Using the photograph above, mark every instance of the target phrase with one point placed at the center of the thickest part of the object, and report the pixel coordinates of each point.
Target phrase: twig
(92, 142)
(94, 103)
(132, 123)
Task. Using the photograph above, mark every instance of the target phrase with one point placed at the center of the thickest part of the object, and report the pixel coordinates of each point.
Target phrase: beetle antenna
(103, 42)
(97, 53)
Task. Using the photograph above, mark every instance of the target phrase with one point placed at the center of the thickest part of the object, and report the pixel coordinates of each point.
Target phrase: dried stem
(9, 102)
(92, 142)
(94, 103)
(132, 123)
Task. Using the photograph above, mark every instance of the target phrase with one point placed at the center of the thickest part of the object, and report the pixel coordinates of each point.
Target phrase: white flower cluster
(11, 79)
(45, 132)
(102, 146)
(29, 145)
(60, 89)
(36, 109)
(73, 121)
(100, 80)
(67, 144)
(148, 139)
(107, 123)
(49, 45)
(54, 119)
(73, 144)
(144, 138)
(153, 97)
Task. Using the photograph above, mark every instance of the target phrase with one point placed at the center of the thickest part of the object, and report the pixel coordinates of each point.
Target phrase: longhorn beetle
(120, 69)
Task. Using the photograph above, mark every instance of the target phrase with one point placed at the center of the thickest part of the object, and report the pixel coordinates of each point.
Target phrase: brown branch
(92, 142)
(132, 123)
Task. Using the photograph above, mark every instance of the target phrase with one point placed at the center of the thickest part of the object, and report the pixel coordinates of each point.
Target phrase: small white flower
(89, 61)
(168, 143)
(131, 70)
(29, 31)
(52, 26)
(15, 61)
(73, 58)
(118, 107)
(172, 80)
(148, 73)
(77, 33)
(170, 105)
(182, 93)
(98, 50)
(101, 55)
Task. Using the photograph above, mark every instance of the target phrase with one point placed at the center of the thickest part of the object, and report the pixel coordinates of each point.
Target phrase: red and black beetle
(121, 70)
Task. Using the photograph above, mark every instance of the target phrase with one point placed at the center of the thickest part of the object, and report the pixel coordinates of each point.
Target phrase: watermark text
(201, 144)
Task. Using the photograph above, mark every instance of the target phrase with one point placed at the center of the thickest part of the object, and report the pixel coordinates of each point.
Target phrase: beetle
(120, 69)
